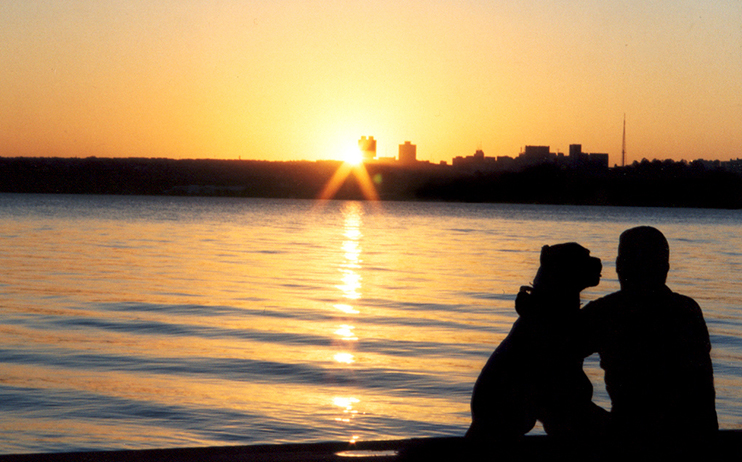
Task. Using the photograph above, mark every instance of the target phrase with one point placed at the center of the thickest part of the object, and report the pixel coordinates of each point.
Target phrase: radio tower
(623, 145)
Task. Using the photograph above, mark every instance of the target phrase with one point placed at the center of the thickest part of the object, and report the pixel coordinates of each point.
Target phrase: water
(149, 322)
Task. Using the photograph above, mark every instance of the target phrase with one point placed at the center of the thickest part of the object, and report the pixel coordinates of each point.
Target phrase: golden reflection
(346, 332)
(351, 284)
(351, 249)
(352, 253)
(350, 290)
(345, 358)
(347, 403)
(352, 232)
(347, 309)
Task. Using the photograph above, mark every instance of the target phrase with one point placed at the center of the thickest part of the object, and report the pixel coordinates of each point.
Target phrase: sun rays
(358, 170)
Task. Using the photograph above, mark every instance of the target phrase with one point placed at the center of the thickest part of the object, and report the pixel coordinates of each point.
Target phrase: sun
(353, 156)
(352, 165)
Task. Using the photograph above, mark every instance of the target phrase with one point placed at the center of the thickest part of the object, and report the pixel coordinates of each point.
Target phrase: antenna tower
(623, 145)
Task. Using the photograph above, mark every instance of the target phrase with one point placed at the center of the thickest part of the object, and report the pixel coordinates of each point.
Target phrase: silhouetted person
(654, 347)
(536, 372)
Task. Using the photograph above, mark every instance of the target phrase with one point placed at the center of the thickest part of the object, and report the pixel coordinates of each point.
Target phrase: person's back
(655, 353)
(653, 345)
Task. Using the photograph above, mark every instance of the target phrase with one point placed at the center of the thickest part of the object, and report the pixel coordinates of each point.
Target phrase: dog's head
(567, 267)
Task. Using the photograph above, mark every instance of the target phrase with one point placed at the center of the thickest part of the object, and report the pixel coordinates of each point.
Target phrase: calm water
(144, 322)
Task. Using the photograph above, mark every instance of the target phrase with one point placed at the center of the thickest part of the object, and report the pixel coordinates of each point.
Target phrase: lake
(151, 322)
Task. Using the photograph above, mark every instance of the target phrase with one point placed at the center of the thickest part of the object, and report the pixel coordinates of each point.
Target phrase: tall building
(575, 150)
(367, 147)
(407, 153)
(599, 160)
(535, 155)
(576, 156)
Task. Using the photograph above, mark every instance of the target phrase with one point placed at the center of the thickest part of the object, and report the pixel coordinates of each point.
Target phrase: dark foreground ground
(726, 447)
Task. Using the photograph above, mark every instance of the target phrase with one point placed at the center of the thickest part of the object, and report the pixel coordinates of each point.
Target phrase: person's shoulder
(680, 300)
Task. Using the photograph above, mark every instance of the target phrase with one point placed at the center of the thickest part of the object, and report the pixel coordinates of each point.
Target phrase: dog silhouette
(536, 372)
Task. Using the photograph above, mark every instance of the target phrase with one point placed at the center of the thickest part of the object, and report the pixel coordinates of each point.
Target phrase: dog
(536, 372)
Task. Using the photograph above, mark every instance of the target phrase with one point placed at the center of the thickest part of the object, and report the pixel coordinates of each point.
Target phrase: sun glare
(353, 156)
(352, 164)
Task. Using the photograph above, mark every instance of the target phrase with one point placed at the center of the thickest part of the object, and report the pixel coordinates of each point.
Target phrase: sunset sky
(305, 79)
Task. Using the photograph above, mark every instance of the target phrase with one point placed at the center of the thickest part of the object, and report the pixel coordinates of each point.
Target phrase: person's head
(643, 258)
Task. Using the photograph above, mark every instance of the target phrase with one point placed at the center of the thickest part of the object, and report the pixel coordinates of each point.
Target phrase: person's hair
(643, 257)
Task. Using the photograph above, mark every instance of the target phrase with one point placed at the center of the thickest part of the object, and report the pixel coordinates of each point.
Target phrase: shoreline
(727, 445)
(647, 184)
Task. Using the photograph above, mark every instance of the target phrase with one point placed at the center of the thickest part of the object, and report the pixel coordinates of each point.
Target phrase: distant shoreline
(648, 184)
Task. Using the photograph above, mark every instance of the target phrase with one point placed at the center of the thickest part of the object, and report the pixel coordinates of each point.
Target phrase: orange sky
(305, 79)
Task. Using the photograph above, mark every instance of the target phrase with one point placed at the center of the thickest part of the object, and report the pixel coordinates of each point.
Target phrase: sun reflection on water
(351, 247)
(351, 284)
(347, 309)
(352, 253)
(346, 403)
(350, 292)
(346, 332)
(345, 358)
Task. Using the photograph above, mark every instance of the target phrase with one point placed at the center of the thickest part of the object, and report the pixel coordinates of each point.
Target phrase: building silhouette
(367, 147)
(577, 158)
(407, 153)
(532, 156)
(535, 155)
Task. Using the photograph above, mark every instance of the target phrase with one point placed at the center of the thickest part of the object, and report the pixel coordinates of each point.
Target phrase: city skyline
(303, 80)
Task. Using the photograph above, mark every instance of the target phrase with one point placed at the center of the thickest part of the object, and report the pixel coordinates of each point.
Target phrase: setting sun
(353, 156)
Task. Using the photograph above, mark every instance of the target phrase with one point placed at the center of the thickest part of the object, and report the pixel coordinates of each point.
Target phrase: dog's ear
(545, 251)
(544, 259)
